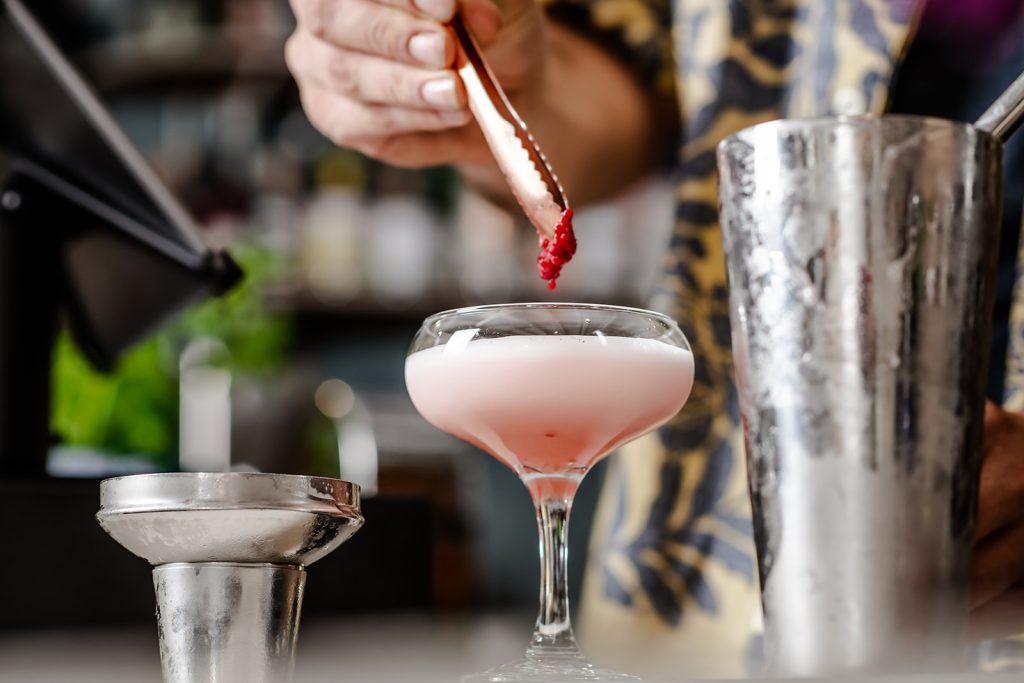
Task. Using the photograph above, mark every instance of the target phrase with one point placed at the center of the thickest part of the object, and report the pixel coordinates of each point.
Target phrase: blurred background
(300, 369)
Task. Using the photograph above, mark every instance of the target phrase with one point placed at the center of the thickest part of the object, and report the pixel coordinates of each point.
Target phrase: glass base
(547, 665)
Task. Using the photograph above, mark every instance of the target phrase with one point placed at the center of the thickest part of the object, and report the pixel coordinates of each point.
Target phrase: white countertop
(386, 649)
(389, 649)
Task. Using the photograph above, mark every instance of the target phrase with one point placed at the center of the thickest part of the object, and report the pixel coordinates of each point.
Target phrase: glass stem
(553, 630)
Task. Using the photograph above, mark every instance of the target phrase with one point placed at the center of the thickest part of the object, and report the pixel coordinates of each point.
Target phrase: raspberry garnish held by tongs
(529, 176)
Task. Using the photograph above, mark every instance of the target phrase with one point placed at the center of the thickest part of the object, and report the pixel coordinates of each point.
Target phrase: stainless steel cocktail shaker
(861, 257)
(229, 552)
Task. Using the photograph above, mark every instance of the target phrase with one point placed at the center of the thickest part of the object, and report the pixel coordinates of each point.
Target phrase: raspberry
(557, 251)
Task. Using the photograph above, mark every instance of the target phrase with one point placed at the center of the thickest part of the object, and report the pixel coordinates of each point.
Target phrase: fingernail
(442, 10)
(428, 48)
(440, 92)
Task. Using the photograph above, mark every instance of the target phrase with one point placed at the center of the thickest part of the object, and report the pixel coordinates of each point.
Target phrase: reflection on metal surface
(229, 517)
(1006, 114)
(228, 622)
(861, 258)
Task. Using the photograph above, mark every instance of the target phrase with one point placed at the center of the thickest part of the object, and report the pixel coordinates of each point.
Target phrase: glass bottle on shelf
(402, 238)
(332, 236)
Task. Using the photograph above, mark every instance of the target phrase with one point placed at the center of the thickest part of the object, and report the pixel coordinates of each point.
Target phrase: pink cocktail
(549, 389)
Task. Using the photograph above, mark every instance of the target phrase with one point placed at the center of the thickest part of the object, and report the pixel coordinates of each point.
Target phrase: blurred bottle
(169, 29)
(597, 270)
(650, 216)
(176, 144)
(275, 211)
(353, 424)
(485, 250)
(402, 238)
(621, 243)
(332, 237)
(205, 407)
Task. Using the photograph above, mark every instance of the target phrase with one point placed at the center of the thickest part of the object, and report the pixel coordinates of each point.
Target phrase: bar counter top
(380, 649)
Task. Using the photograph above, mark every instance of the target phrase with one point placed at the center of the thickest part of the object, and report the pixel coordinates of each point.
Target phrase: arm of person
(376, 76)
(997, 573)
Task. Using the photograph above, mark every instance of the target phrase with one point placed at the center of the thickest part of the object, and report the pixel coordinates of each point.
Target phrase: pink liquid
(549, 405)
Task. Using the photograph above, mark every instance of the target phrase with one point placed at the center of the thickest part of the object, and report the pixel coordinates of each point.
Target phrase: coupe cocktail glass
(549, 389)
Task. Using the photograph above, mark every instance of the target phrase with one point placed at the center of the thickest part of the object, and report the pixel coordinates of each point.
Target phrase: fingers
(375, 76)
(998, 564)
(370, 79)
(464, 145)
(440, 10)
(353, 124)
(997, 619)
(378, 29)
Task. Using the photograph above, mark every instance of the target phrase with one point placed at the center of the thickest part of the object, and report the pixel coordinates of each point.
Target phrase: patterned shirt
(671, 588)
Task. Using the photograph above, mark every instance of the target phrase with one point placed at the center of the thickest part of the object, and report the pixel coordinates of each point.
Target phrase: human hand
(376, 75)
(997, 573)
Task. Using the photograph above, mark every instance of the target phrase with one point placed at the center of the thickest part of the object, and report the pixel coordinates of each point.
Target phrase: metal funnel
(229, 552)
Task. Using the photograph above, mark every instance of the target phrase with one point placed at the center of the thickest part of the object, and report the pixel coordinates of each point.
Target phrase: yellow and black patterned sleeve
(638, 33)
